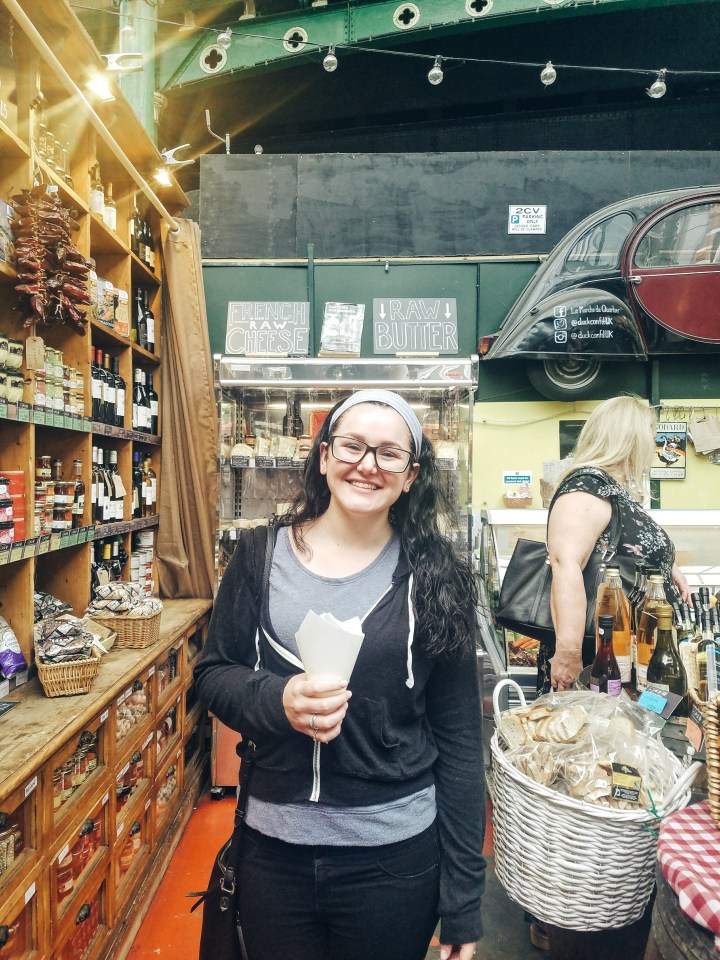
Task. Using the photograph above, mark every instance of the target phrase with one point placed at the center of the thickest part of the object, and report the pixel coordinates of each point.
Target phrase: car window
(600, 246)
(685, 238)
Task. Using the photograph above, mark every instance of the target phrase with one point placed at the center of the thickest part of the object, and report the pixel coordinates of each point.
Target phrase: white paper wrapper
(329, 647)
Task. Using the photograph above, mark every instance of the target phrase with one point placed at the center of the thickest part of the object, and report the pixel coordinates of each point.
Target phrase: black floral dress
(641, 538)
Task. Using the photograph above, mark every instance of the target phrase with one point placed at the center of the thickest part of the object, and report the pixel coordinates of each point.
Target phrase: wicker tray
(567, 862)
(711, 716)
(68, 679)
(135, 632)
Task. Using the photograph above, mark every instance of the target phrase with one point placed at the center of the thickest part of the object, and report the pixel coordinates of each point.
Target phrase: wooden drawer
(168, 674)
(76, 770)
(167, 792)
(168, 729)
(18, 836)
(82, 848)
(133, 780)
(194, 643)
(131, 851)
(133, 708)
(84, 930)
(19, 926)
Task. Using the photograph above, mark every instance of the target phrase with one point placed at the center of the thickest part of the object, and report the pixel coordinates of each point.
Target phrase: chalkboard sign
(415, 325)
(268, 328)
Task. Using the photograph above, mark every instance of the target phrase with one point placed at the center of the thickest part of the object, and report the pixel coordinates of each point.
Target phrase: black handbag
(221, 937)
(524, 604)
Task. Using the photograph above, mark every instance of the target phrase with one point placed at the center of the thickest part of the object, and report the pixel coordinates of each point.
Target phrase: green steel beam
(258, 42)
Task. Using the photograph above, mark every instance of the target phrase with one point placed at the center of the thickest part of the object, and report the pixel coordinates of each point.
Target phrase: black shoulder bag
(221, 937)
(525, 593)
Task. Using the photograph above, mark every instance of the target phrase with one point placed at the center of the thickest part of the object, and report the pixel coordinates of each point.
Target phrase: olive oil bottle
(665, 670)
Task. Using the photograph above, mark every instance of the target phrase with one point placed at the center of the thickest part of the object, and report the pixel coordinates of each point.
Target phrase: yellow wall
(520, 436)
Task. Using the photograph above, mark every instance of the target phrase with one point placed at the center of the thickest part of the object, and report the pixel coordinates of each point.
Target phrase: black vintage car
(638, 279)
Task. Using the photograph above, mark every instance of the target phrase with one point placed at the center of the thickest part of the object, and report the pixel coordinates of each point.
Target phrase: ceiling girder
(258, 45)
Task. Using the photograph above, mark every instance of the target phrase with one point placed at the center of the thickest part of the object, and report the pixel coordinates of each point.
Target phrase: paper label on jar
(626, 783)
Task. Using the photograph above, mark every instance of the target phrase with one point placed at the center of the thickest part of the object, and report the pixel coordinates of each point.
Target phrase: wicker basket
(567, 862)
(711, 729)
(515, 502)
(68, 679)
(135, 632)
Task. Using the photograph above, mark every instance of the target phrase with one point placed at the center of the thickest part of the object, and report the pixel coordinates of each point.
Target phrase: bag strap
(615, 525)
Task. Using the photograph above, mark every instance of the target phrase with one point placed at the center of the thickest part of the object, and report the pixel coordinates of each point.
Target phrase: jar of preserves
(3, 349)
(15, 351)
(43, 468)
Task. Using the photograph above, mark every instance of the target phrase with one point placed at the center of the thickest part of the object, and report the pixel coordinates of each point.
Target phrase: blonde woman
(610, 466)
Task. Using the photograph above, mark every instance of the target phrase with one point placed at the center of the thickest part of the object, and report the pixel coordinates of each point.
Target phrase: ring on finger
(313, 723)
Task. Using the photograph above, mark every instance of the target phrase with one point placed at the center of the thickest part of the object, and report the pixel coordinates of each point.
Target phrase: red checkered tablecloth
(689, 855)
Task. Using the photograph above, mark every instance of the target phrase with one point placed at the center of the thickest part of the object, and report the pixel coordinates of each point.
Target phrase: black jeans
(338, 903)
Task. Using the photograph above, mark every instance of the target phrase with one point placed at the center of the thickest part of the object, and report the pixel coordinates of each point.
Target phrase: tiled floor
(169, 931)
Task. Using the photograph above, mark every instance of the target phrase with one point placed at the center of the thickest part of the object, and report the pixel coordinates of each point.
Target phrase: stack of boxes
(58, 387)
(53, 500)
(12, 382)
(109, 304)
(141, 560)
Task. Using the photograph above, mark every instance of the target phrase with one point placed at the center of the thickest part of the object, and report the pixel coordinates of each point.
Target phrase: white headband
(390, 399)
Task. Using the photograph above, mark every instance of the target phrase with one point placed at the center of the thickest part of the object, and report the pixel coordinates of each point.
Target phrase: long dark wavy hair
(445, 590)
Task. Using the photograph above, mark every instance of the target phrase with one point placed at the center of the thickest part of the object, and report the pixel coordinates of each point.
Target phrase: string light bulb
(127, 31)
(549, 74)
(435, 75)
(659, 88)
(331, 61)
(225, 39)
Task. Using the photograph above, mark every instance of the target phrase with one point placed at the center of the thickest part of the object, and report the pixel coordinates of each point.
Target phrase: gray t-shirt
(293, 591)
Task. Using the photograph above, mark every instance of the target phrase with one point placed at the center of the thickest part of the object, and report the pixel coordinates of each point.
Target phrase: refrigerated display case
(695, 533)
(269, 411)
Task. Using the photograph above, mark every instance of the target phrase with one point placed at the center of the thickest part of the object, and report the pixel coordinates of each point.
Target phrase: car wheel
(571, 378)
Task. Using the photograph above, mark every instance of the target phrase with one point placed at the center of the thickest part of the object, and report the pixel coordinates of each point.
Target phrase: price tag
(16, 551)
(105, 799)
(119, 829)
(35, 353)
(659, 701)
(626, 783)
(24, 410)
(29, 787)
(104, 715)
(63, 853)
(123, 772)
(30, 893)
(4, 688)
(21, 678)
(39, 416)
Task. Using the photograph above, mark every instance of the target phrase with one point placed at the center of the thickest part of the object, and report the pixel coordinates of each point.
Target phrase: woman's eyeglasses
(389, 459)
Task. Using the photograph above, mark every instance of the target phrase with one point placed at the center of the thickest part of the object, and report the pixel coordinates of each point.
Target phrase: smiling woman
(374, 785)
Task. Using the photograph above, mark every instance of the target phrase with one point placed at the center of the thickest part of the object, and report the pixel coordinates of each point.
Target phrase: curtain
(188, 484)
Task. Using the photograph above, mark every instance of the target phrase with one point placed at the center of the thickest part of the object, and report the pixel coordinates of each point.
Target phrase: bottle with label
(78, 507)
(110, 399)
(148, 323)
(654, 595)
(96, 387)
(298, 425)
(151, 489)
(140, 404)
(139, 318)
(288, 419)
(665, 670)
(134, 227)
(97, 193)
(153, 399)
(137, 479)
(612, 602)
(605, 672)
(705, 658)
(119, 394)
(110, 211)
(117, 508)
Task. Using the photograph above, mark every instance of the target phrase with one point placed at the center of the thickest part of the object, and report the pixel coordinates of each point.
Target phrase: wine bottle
(298, 425)
(605, 672)
(288, 419)
(137, 479)
(654, 595)
(110, 400)
(151, 489)
(78, 507)
(96, 385)
(119, 394)
(97, 193)
(110, 210)
(108, 514)
(134, 226)
(612, 602)
(93, 485)
(705, 657)
(149, 324)
(665, 670)
(140, 407)
(153, 398)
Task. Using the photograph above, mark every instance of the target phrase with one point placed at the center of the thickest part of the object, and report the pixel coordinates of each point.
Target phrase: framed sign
(407, 325)
(268, 328)
(670, 452)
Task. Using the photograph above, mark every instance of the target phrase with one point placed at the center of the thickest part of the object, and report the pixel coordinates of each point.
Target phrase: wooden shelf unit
(160, 801)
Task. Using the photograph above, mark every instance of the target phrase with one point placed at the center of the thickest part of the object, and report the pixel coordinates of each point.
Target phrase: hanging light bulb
(331, 61)
(225, 38)
(659, 88)
(549, 74)
(435, 75)
(127, 31)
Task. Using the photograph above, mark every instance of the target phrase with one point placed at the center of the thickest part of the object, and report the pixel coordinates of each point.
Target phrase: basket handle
(683, 782)
(507, 682)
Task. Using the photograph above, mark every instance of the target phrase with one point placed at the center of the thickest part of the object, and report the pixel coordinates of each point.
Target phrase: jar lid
(3, 501)
(7, 525)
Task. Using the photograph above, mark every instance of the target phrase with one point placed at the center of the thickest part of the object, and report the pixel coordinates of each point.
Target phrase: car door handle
(636, 280)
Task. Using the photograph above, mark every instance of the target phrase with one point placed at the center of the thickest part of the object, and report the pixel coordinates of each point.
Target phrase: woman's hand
(681, 583)
(564, 667)
(316, 707)
(458, 951)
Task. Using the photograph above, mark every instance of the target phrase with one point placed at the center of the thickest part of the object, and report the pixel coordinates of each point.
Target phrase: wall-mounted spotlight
(331, 61)
(99, 86)
(123, 62)
(435, 74)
